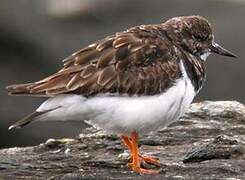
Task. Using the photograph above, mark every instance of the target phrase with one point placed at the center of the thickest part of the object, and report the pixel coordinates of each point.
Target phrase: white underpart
(205, 56)
(119, 114)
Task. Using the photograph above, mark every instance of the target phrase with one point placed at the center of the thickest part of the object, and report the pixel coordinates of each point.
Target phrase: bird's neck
(195, 69)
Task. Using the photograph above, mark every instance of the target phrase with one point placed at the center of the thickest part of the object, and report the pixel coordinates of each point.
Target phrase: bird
(130, 83)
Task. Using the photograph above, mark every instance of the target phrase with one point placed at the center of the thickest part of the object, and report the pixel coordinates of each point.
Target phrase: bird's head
(195, 35)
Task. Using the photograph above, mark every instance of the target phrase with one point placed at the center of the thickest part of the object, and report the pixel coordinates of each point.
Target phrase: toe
(146, 171)
(151, 160)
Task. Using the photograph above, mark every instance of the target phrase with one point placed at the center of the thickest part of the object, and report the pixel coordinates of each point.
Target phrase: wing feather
(135, 62)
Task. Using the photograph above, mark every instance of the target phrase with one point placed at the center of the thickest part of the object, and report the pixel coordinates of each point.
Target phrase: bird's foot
(137, 158)
(140, 170)
(147, 159)
(150, 160)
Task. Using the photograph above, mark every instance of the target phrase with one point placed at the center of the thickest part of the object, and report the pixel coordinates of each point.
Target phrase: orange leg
(147, 159)
(136, 157)
(127, 142)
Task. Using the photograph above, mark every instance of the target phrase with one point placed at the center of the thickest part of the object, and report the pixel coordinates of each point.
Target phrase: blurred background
(36, 35)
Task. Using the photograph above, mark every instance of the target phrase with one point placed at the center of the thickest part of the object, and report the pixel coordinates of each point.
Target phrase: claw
(142, 170)
(146, 171)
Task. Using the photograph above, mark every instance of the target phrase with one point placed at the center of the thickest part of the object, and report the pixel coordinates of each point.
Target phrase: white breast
(205, 56)
(126, 114)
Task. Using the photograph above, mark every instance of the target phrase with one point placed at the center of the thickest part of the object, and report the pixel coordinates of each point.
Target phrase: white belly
(141, 114)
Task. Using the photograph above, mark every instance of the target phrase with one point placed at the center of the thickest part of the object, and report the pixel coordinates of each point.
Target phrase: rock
(222, 147)
(207, 142)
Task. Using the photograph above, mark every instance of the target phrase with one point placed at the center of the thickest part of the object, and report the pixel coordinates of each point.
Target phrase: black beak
(215, 48)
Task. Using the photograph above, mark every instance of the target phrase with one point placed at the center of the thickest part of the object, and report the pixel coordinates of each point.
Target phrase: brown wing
(138, 61)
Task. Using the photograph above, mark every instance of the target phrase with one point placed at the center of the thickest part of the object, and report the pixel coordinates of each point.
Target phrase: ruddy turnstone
(130, 83)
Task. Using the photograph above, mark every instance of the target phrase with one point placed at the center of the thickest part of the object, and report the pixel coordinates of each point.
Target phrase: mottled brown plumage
(137, 61)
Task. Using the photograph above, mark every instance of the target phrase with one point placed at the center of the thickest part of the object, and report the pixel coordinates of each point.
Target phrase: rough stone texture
(207, 143)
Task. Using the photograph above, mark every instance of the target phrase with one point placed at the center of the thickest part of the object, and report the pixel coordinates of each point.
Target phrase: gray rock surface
(207, 143)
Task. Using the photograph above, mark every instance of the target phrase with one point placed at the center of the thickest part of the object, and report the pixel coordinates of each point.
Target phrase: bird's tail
(58, 108)
(25, 90)
(29, 118)
(19, 89)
